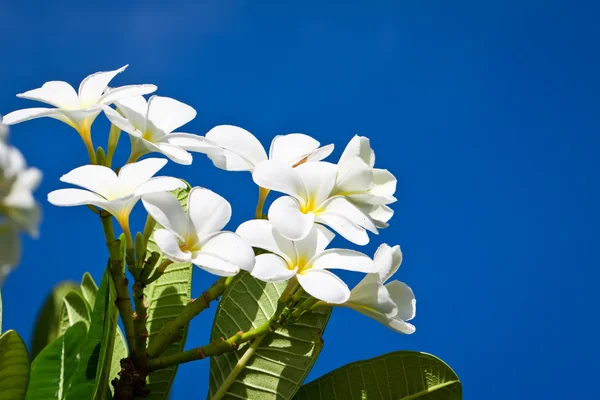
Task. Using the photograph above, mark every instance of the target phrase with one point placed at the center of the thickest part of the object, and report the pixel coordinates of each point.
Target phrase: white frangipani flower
(305, 259)
(150, 126)
(391, 303)
(117, 194)
(17, 183)
(198, 236)
(77, 109)
(369, 188)
(241, 150)
(309, 188)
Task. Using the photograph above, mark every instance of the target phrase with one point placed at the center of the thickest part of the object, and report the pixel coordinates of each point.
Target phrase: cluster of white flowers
(350, 197)
(18, 209)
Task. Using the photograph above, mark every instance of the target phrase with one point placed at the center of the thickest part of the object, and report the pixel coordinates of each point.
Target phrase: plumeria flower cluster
(318, 198)
(19, 211)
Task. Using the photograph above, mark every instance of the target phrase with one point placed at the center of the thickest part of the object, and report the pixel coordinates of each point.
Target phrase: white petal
(124, 92)
(346, 228)
(159, 184)
(168, 243)
(190, 142)
(175, 153)
(394, 323)
(272, 268)
(292, 148)
(134, 109)
(320, 153)
(166, 210)
(169, 114)
(261, 234)
(349, 260)
(240, 144)
(126, 125)
(404, 298)
(75, 197)
(57, 93)
(97, 178)
(229, 161)
(354, 176)
(387, 260)
(208, 212)
(286, 217)
(27, 114)
(359, 146)
(384, 183)
(379, 214)
(20, 193)
(93, 86)
(371, 294)
(215, 265)
(324, 285)
(280, 177)
(229, 247)
(341, 206)
(318, 179)
(133, 175)
(314, 243)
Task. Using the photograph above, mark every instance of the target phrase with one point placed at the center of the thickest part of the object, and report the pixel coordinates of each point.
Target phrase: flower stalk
(171, 332)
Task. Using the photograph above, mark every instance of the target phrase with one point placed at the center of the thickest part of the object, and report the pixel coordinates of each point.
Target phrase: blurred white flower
(309, 188)
(369, 188)
(18, 209)
(305, 259)
(392, 303)
(3, 130)
(241, 150)
(198, 236)
(77, 109)
(150, 126)
(117, 194)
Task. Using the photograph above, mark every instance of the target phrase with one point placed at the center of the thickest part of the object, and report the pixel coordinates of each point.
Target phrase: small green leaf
(0, 311)
(74, 309)
(55, 367)
(89, 289)
(91, 379)
(14, 366)
(282, 360)
(48, 321)
(401, 375)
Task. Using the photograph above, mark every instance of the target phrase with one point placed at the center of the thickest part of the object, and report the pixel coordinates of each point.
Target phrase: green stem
(160, 270)
(117, 271)
(171, 331)
(241, 364)
(289, 289)
(149, 228)
(262, 196)
(139, 322)
(308, 303)
(113, 140)
(211, 349)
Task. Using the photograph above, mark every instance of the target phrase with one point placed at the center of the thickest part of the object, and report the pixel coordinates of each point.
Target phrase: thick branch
(212, 349)
(171, 332)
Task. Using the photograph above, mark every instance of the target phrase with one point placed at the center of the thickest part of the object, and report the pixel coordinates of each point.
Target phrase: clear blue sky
(487, 112)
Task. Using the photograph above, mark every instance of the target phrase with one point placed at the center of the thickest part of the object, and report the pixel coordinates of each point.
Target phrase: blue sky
(487, 112)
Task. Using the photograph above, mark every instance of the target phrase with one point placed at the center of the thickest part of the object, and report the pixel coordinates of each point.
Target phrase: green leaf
(167, 296)
(54, 368)
(91, 379)
(14, 366)
(74, 309)
(401, 375)
(283, 358)
(48, 321)
(0, 311)
(89, 289)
